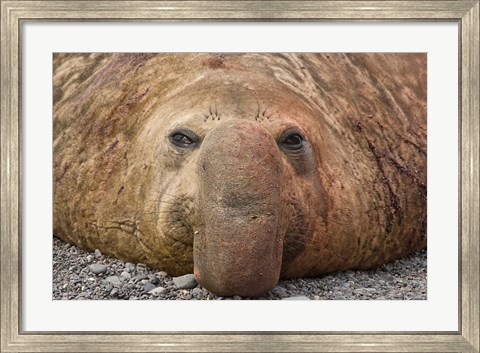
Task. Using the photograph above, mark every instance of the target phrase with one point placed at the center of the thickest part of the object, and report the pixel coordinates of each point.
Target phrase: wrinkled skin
(237, 207)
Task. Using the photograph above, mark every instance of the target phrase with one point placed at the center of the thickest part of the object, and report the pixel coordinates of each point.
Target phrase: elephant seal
(243, 168)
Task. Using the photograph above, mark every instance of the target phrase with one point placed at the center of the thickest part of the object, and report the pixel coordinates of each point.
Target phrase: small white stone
(126, 275)
(298, 297)
(114, 280)
(157, 291)
(185, 282)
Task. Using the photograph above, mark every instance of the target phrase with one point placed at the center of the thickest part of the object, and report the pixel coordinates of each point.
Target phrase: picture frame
(465, 13)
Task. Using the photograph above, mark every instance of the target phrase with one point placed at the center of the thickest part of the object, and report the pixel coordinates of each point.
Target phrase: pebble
(389, 278)
(139, 277)
(98, 254)
(97, 268)
(126, 275)
(148, 287)
(197, 292)
(279, 291)
(297, 297)
(185, 281)
(157, 291)
(290, 286)
(129, 267)
(73, 279)
(114, 280)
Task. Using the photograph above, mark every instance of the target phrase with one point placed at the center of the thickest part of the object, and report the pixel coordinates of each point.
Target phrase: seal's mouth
(176, 214)
(178, 227)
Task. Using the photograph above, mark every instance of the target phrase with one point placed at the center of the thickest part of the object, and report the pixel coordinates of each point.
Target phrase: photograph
(240, 176)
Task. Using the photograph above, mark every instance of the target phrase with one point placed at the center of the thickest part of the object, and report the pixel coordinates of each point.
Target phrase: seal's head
(248, 168)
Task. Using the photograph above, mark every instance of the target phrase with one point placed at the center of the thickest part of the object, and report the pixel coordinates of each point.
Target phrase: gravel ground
(83, 275)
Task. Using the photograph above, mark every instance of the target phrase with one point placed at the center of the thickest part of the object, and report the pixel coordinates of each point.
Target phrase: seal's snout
(239, 248)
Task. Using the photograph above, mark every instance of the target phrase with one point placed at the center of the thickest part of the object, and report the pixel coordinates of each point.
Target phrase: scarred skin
(237, 208)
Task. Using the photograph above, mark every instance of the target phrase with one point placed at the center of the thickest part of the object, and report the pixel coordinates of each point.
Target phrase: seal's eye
(184, 138)
(292, 141)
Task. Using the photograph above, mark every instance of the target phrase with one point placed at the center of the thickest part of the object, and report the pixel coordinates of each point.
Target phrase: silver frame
(465, 339)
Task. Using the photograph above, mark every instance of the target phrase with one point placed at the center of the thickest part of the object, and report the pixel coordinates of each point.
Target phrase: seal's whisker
(167, 194)
(169, 203)
(178, 228)
(159, 211)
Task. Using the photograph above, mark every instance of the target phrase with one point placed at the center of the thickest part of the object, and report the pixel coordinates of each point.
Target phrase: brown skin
(238, 206)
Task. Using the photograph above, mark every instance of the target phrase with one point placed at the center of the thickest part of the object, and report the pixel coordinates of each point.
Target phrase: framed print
(38, 37)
